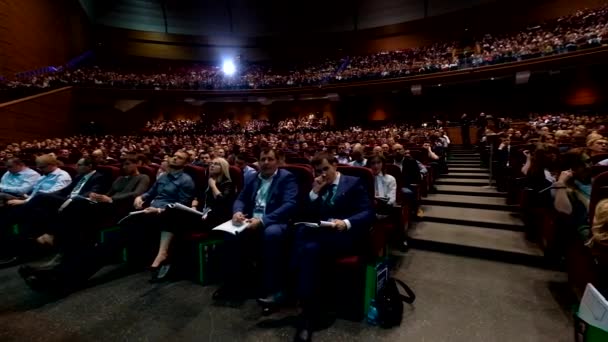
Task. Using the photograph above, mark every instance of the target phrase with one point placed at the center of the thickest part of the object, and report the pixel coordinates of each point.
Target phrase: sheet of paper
(324, 224)
(188, 209)
(137, 212)
(229, 227)
(594, 308)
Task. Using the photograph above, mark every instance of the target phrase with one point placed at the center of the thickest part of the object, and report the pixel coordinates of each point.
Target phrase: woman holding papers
(212, 206)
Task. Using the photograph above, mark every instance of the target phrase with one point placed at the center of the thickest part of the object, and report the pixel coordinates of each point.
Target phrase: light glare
(228, 67)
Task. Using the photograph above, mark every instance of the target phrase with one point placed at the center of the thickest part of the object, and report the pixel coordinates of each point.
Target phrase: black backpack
(389, 302)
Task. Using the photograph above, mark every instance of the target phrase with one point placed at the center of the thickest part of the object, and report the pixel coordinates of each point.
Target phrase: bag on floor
(389, 302)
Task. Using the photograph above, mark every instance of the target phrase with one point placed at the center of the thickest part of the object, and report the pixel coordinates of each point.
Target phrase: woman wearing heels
(218, 196)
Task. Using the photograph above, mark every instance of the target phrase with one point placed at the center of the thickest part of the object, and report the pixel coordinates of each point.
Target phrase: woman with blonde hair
(217, 196)
(598, 243)
(599, 229)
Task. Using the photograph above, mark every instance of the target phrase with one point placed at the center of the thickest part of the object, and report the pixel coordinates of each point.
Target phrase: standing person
(464, 129)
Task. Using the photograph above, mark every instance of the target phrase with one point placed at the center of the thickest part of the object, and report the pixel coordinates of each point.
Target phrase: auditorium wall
(40, 116)
(243, 111)
(39, 33)
(500, 16)
(496, 16)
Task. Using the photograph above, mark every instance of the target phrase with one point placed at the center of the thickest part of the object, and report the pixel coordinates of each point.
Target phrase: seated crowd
(554, 168)
(584, 28)
(57, 195)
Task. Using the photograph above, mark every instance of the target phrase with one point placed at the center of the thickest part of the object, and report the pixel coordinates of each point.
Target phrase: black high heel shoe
(161, 273)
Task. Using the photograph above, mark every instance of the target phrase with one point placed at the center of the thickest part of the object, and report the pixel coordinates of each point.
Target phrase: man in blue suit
(344, 201)
(266, 203)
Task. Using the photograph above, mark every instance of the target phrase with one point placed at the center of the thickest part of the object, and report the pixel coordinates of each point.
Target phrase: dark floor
(458, 299)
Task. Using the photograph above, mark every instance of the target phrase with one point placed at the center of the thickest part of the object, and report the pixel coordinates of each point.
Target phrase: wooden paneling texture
(39, 33)
(41, 116)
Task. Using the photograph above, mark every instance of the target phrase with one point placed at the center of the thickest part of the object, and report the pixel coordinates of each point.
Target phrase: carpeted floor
(458, 299)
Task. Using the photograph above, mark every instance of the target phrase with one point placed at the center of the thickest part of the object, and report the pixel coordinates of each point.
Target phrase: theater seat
(358, 271)
(110, 172)
(198, 175)
(237, 177)
(146, 170)
(304, 179)
(70, 169)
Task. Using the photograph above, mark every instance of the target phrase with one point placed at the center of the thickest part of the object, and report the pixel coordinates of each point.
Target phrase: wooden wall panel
(37, 117)
(39, 33)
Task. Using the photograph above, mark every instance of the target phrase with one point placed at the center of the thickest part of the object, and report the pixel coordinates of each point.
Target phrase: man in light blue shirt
(53, 179)
(18, 181)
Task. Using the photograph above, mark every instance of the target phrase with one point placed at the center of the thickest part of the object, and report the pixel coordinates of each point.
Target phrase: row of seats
(544, 224)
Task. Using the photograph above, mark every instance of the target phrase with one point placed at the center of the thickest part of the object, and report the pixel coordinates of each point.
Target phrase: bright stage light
(228, 67)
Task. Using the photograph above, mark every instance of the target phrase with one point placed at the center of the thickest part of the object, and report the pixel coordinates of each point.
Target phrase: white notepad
(229, 227)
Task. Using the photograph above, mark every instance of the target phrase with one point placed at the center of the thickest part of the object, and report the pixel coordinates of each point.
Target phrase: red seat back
(110, 172)
(237, 177)
(70, 169)
(364, 174)
(149, 172)
(306, 166)
(198, 175)
(304, 178)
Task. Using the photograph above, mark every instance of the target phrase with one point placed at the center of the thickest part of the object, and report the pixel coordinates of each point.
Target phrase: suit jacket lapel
(273, 186)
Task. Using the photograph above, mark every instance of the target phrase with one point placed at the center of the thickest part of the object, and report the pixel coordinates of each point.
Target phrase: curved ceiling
(256, 18)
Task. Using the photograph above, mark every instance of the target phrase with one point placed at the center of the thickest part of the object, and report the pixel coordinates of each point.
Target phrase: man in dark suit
(344, 201)
(43, 209)
(265, 203)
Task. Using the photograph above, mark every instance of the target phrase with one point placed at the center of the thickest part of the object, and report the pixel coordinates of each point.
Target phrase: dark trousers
(39, 215)
(79, 223)
(315, 251)
(4, 197)
(139, 234)
(267, 243)
(466, 139)
(33, 217)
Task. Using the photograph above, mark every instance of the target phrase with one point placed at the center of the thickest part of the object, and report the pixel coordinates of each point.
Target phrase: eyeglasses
(216, 164)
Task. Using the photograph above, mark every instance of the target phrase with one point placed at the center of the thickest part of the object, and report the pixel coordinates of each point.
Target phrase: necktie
(79, 186)
(329, 196)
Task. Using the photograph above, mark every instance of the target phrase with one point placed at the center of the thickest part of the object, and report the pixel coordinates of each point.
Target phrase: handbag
(389, 302)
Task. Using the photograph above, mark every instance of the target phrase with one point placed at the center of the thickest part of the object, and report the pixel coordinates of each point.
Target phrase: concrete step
(461, 181)
(462, 201)
(470, 175)
(459, 169)
(486, 243)
(496, 219)
(467, 190)
(458, 160)
(464, 162)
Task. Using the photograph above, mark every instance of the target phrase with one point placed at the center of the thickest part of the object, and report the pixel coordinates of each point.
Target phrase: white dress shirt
(386, 186)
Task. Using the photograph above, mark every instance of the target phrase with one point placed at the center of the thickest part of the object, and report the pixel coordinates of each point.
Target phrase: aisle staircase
(466, 216)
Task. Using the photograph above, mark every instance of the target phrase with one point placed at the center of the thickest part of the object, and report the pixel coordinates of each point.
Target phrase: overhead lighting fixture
(228, 67)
